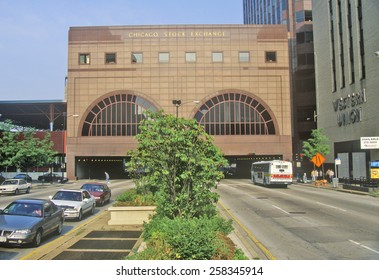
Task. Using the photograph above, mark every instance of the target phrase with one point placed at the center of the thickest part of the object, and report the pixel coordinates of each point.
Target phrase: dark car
(26, 177)
(100, 191)
(29, 220)
(52, 178)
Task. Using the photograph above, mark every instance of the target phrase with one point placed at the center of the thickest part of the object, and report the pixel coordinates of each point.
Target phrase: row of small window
(164, 57)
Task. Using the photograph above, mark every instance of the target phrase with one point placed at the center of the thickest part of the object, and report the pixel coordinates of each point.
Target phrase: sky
(34, 34)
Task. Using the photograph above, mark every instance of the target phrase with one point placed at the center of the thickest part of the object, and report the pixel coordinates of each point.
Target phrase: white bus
(269, 173)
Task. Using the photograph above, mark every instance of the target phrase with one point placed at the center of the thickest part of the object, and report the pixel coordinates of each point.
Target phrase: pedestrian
(331, 175)
(106, 177)
(305, 180)
(313, 175)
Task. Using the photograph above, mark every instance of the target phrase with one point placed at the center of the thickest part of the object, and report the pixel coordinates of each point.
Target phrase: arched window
(117, 115)
(235, 114)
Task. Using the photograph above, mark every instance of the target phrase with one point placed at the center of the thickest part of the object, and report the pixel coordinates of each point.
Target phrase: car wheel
(17, 191)
(59, 229)
(93, 209)
(80, 216)
(28, 190)
(37, 239)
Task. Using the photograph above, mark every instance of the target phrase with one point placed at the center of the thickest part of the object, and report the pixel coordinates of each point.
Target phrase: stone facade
(160, 64)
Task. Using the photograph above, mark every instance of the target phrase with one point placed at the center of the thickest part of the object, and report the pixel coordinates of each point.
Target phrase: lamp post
(178, 103)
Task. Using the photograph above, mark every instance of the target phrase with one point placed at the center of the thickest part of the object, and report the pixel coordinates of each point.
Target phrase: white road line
(327, 205)
(281, 209)
(363, 246)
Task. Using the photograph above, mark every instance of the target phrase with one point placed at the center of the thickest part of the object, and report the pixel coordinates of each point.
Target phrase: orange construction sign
(318, 159)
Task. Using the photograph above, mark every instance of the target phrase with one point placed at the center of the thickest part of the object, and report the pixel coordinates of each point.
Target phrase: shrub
(188, 239)
(133, 198)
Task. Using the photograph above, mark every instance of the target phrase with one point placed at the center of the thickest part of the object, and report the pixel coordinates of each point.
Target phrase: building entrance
(93, 168)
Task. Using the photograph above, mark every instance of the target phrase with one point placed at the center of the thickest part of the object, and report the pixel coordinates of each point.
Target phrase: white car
(15, 186)
(75, 203)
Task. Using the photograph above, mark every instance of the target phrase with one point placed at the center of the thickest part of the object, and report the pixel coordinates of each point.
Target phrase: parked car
(26, 177)
(15, 186)
(75, 203)
(29, 220)
(100, 191)
(52, 177)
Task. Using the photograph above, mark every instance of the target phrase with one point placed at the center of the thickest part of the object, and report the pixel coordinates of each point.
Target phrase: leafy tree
(22, 149)
(8, 144)
(318, 143)
(182, 162)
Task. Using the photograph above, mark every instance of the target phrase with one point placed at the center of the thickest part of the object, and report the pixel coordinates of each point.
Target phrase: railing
(360, 182)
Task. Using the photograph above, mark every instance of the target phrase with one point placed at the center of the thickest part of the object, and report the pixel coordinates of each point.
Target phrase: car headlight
(23, 231)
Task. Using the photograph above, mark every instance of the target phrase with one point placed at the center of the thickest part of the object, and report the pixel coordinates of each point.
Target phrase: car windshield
(10, 182)
(23, 209)
(92, 188)
(73, 196)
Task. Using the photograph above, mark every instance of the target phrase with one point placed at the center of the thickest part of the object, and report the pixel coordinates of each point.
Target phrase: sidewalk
(330, 187)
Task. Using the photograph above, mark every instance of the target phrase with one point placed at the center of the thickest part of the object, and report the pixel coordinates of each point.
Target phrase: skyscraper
(347, 71)
(297, 16)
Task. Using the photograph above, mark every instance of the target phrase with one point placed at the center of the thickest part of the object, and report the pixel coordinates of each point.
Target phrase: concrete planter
(130, 215)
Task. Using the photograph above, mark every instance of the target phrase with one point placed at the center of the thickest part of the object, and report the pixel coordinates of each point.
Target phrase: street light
(178, 103)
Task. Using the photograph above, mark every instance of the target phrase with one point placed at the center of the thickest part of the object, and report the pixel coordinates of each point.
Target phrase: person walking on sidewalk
(106, 177)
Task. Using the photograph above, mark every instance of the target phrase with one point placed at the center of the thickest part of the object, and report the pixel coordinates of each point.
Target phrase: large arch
(116, 114)
(236, 112)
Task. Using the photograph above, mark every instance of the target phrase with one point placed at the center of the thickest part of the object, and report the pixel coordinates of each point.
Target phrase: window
(110, 58)
(270, 56)
(244, 56)
(235, 114)
(84, 58)
(217, 57)
(117, 115)
(308, 15)
(190, 57)
(300, 16)
(164, 57)
(137, 57)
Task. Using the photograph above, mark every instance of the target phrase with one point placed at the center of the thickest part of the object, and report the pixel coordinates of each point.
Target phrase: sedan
(75, 203)
(15, 186)
(52, 177)
(26, 177)
(100, 191)
(29, 220)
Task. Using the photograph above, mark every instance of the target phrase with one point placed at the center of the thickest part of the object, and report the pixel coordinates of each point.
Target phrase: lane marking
(330, 206)
(265, 251)
(364, 246)
(277, 207)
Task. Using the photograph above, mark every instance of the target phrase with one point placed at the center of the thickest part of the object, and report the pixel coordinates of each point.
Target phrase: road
(44, 191)
(302, 222)
(297, 223)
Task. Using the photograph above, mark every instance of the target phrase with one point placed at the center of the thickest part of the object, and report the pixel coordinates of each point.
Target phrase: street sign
(318, 159)
(337, 161)
(370, 142)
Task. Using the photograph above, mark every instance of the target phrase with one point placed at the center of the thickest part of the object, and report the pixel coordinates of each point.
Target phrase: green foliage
(188, 239)
(318, 143)
(22, 149)
(133, 198)
(182, 162)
